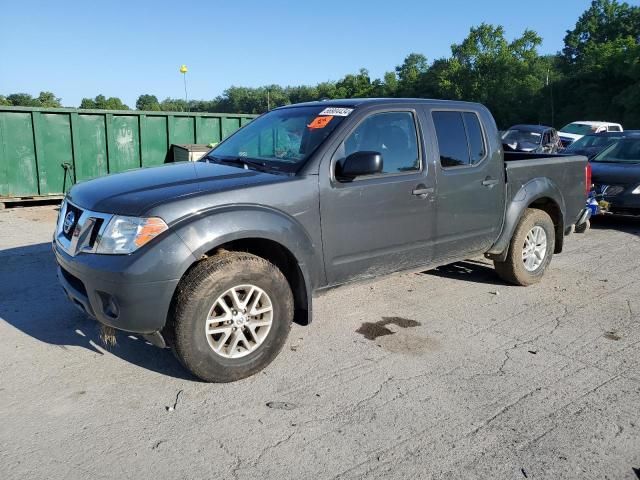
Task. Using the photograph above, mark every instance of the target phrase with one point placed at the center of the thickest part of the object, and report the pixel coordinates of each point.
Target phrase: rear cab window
(460, 138)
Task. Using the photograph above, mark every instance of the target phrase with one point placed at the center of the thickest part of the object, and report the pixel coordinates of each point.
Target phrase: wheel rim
(239, 321)
(535, 248)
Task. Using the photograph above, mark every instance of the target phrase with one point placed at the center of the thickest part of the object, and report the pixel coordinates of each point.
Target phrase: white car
(575, 130)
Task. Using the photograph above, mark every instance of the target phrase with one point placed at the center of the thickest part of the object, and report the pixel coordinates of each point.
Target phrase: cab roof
(356, 102)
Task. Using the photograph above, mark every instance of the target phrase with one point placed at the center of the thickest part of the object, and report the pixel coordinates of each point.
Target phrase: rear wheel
(231, 317)
(530, 251)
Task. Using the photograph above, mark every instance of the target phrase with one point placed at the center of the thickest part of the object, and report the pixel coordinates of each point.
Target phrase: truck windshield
(578, 128)
(521, 136)
(282, 139)
(626, 150)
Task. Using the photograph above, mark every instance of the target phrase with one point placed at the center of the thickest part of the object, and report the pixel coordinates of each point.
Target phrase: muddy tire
(530, 251)
(231, 316)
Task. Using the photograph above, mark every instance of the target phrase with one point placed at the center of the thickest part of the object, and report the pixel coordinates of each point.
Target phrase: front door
(378, 223)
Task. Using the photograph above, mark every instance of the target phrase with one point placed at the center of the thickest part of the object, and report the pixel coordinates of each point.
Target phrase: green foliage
(103, 103)
(148, 102)
(48, 100)
(600, 65)
(45, 99)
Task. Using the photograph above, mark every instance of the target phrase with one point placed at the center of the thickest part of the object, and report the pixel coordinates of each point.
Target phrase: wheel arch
(267, 233)
(539, 193)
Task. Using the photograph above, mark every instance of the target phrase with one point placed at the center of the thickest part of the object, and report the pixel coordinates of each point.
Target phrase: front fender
(207, 230)
(533, 190)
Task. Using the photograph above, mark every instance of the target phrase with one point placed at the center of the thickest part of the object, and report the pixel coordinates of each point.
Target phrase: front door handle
(422, 191)
(489, 182)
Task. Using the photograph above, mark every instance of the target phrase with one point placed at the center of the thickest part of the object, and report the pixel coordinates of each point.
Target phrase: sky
(81, 48)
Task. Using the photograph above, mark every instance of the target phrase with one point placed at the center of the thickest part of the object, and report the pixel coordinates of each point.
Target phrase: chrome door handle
(421, 191)
(489, 182)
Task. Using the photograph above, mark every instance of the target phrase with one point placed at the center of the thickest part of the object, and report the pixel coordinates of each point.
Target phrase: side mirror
(358, 164)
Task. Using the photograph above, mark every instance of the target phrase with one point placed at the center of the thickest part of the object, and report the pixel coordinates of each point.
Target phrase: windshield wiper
(244, 162)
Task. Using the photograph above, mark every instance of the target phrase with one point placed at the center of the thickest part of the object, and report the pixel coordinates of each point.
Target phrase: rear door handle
(422, 191)
(489, 182)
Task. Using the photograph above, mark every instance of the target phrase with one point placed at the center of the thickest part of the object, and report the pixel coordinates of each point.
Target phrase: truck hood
(136, 191)
(615, 173)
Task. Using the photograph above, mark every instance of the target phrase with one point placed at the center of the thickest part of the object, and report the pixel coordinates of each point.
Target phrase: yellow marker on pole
(183, 69)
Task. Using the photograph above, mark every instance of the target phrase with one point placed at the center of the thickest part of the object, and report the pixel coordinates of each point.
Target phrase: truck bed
(566, 172)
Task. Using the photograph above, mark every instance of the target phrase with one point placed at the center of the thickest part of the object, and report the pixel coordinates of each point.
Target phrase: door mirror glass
(359, 164)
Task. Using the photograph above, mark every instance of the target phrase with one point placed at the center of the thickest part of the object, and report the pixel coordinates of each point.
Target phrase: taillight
(587, 177)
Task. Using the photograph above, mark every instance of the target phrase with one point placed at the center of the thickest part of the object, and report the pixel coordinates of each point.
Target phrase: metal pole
(186, 98)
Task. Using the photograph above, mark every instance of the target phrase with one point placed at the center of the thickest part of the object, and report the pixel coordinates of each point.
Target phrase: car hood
(615, 173)
(588, 152)
(136, 191)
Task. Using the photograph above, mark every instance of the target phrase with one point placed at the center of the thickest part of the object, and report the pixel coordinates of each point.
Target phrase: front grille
(71, 209)
(95, 231)
(83, 231)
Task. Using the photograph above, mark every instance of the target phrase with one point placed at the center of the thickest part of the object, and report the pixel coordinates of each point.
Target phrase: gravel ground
(474, 379)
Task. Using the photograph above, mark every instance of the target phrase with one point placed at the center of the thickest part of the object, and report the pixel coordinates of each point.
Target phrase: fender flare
(535, 189)
(206, 230)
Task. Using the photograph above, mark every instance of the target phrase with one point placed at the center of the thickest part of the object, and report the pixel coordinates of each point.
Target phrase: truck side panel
(558, 182)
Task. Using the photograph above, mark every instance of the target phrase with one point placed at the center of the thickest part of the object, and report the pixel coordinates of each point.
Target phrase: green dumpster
(43, 151)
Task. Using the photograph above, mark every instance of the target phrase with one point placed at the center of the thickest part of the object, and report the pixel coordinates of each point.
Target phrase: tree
(606, 22)
(600, 65)
(102, 103)
(410, 74)
(48, 100)
(4, 101)
(147, 102)
(22, 100)
(351, 86)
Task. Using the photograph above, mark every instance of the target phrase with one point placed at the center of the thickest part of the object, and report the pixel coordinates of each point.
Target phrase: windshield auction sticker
(320, 122)
(336, 112)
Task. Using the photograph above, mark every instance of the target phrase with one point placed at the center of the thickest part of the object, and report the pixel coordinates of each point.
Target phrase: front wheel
(530, 251)
(231, 316)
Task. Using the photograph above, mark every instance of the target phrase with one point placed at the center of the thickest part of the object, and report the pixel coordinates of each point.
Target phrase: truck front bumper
(123, 291)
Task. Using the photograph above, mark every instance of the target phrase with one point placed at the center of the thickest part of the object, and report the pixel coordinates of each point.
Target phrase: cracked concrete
(460, 394)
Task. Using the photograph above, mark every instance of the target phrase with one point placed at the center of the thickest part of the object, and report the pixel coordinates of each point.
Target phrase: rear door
(470, 200)
(379, 223)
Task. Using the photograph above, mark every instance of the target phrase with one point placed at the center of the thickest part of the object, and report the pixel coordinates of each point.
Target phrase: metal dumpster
(45, 151)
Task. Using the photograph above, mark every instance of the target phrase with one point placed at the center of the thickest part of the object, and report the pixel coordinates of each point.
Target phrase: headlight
(127, 234)
(637, 190)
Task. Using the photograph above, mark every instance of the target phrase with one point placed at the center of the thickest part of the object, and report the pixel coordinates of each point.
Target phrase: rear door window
(452, 139)
(477, 148)
(460, 138)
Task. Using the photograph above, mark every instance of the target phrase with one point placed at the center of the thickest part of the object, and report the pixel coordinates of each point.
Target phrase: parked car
(531, 139)
(616, 176)
(576, 130)
(592, 144)
(214, 258)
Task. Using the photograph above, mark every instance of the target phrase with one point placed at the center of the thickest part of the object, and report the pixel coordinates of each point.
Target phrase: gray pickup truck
(215, 258)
